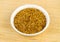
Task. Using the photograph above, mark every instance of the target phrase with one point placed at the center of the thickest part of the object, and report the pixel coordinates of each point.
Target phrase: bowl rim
(29, 6)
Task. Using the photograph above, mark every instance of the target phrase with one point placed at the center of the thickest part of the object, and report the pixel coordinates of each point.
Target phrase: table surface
(51, 34)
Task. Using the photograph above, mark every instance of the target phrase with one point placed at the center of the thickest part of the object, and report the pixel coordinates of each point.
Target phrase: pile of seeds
(30, 20)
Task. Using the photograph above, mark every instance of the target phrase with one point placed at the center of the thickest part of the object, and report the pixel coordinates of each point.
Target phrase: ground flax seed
(30, 20)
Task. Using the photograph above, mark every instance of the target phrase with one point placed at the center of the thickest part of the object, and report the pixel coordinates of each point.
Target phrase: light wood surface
(52, 33)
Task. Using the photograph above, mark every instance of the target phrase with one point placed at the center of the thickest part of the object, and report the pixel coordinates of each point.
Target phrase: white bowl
(29, 6)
